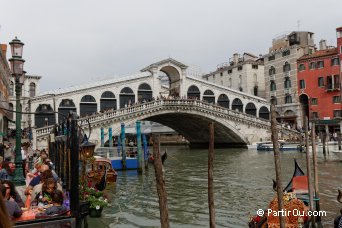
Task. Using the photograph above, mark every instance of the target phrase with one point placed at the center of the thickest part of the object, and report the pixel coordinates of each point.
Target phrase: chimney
(236, 58)
(322, 45)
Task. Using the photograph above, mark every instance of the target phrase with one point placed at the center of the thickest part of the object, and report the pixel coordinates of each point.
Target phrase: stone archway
(44, 116)
(173, 79)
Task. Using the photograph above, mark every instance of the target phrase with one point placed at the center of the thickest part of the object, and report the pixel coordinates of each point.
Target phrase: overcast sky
(72, 42)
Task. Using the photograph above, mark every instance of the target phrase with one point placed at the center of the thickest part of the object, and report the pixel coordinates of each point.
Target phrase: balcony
(272, 77)
(273, 93)
(288, 90)
(287, 74)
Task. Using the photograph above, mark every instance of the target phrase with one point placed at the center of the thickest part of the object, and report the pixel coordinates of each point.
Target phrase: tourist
(4, 219)
(57, 201)
(43, 195)
(12, 193)
(7, 170)
(36, 180)
(12, 207)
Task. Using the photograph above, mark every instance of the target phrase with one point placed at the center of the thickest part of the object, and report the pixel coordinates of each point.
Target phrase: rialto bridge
(163, 93)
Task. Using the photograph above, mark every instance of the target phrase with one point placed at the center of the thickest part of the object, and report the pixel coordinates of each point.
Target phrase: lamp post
(17, 66)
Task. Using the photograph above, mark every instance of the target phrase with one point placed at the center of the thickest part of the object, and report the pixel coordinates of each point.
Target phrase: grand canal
(243, 184)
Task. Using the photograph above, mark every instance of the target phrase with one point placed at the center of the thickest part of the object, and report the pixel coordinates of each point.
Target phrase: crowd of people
(43, 192)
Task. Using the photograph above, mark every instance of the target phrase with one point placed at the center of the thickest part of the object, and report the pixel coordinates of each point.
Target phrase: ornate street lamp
(17, 67)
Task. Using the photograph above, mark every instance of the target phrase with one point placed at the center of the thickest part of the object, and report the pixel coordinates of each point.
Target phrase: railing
(158, 105)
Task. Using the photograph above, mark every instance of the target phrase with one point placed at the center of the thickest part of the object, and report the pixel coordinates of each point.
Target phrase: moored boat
(283, 145)
(101, 170)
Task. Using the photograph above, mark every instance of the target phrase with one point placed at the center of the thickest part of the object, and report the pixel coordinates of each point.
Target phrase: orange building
(5, 74)
(319, 83)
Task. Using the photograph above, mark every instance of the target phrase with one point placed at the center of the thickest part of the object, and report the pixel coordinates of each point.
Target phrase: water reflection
(243, 184)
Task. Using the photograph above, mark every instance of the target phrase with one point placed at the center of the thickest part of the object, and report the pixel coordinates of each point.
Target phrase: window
(286, 67)
(271, 57)
(314, 115)
(240, 80)
(288, 99)
(272, 71)
(314, 101)
(336, 82)
(254, 66)
(335, 61)
(287, 83)
(255, 91)
(301, 67)
(337, 113)
(241, 89)
(239, 67)
(273, 86)
(336, 99)
(221, 74)
(321, 82)
(302, 84)
(11, 89)
(312, 65)
(32, 89)
(320, 64)
(285, 53)
(329, 85)
(230, 71)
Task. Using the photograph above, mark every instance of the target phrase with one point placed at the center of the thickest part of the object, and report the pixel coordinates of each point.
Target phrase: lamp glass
(17, 66)
(17, 48)
(87, 149)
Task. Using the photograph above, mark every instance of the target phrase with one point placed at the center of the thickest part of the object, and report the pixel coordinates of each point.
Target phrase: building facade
(245, 74)
(280, 66)
(5, 74)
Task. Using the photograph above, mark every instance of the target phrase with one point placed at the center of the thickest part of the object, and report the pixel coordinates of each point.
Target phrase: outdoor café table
(28, 215)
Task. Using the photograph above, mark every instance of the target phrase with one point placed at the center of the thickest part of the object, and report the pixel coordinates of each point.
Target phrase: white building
(245, 74)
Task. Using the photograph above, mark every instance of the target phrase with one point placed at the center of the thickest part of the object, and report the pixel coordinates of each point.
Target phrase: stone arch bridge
(164, 92)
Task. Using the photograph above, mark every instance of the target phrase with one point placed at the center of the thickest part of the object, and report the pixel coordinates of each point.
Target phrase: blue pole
(102, 137)
(145, 150)
(110, 142)
(119, 144)
(123, 141)
(140, 157)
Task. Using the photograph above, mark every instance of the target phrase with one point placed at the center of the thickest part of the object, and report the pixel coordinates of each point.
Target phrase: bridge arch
(194, 93)
(264, 113)
(44, 116)
(251, 109)
(223, 101)
(64, 108)
(144, 92)
(174, 80)
(209, 96)
(127, 97)
(88, 105)
(107, 101)
(237, 105)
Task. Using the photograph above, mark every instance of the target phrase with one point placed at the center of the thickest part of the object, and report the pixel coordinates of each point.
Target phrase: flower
(97, 207)
(96, 203)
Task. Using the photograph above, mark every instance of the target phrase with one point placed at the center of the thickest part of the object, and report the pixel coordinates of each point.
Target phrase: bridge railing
(138, 108)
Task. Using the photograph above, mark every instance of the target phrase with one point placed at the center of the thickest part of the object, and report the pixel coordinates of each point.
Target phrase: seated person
(12, 207)
(57, 201)
(43, 196)
(35, 181)
(11, 193)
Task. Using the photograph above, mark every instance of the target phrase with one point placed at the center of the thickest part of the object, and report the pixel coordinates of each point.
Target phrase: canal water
(242, 183)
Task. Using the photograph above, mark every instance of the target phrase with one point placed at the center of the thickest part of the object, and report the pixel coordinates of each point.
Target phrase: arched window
(209, 96)
(286, 67)
(272, 71)
(288, 99)
(107, 101)
(88, 105)
(66, 106)
(11, 89)
(273, 86)
(193, 92)
(223, 100)
(44, 116)
(251, 109)
(32, 89)
(287, 83)
(237, 105)
(301, 67)
(127, 97)
(264, 113)
(144, 93)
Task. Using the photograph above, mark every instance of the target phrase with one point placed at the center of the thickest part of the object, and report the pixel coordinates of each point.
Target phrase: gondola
(100, 172)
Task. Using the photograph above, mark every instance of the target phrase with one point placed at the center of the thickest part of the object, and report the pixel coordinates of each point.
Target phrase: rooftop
(320, 53)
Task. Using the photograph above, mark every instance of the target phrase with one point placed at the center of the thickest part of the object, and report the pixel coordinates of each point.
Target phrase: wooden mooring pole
(211, 198)
(308, 170)
(158, 169)
(277, 164)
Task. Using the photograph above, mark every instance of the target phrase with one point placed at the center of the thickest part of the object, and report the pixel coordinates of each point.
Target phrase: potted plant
(95, 199)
